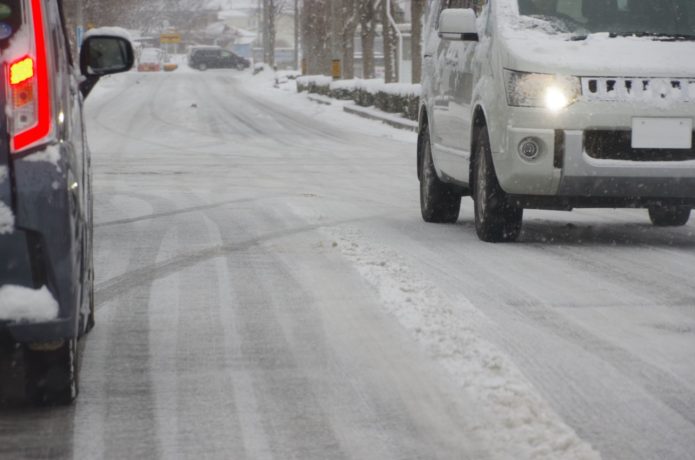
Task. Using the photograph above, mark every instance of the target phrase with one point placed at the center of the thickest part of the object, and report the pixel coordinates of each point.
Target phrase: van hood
(597, 55)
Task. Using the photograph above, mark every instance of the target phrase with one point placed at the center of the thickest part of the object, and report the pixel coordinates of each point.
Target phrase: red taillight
(29, 90)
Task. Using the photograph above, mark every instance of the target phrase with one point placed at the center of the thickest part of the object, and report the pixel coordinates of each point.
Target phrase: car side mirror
(458, 24)
(103, 54)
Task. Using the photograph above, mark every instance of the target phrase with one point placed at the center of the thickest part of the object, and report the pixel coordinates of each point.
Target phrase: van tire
(52, 377)
(439, 202)
(202, 67)
(669, 216)
(496, 218)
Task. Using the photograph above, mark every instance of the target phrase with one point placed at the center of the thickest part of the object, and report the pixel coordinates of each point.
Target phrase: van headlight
(554, 92)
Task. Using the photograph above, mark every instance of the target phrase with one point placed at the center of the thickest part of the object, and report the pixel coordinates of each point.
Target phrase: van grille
(638, 89)
(617, 145)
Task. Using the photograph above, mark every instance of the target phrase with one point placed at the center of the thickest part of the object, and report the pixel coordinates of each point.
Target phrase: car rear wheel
(496, 218)
(51, 375)
(439, 202)
(669, 216)
(240, 66)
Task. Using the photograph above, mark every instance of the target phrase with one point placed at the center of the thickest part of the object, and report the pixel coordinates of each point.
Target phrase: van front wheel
(496, 218)
(439, 202)
(669, 216)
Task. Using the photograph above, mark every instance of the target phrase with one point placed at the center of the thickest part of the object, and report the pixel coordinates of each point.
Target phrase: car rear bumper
(45, 331)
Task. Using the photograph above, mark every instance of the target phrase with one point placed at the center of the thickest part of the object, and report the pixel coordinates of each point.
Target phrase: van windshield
(673, 19)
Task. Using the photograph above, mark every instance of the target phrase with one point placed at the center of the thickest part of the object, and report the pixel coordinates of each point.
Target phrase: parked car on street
(554, 104)
(214, 57)
(46, 272)
(150, 60)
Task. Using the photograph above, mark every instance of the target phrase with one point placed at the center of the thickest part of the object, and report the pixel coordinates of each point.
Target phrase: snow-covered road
(267, 289)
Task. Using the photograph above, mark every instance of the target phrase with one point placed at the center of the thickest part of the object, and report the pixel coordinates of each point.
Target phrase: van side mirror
(103, 54)
(458, 24)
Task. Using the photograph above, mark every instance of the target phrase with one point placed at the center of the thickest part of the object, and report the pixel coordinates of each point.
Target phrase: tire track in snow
(186, 210)
(128, 394)
(115, 287)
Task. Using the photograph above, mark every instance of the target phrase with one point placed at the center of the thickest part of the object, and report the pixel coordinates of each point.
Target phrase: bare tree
(390, 45)
(417, 8)
(316, 36)
(272, 10)
(350, 18)
(368, 22)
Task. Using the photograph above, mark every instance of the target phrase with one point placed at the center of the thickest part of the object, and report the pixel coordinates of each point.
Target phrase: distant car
(214, 57)
(46, 275)
(150, 60)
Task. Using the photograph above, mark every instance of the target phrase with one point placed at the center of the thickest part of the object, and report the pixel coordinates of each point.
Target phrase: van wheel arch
(479, 122)
(424, 125)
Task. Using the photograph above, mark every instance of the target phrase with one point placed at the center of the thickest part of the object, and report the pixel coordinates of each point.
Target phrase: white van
(557, 104)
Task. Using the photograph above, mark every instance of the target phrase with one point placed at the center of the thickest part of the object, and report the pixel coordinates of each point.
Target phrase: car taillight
(28, 89)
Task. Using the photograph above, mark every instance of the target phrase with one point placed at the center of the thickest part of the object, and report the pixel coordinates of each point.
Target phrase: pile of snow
(109, 31)
(517, 422)
(320, 80)
(401, 89)
(6, 219)
(345, 84)
(372, 86)
(288, 74)
(18, 303)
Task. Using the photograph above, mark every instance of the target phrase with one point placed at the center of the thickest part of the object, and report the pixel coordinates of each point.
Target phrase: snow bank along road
(266, 289)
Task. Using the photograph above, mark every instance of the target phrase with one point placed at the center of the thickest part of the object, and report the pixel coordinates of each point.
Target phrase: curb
(374, 114)
(320, 99)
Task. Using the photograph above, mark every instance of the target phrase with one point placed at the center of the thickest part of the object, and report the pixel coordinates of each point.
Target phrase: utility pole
(296, 34)
(397, 30)
(336, 70)
(263, 30)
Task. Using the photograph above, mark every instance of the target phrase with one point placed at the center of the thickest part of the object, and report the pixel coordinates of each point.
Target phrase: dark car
(46, 274)
(214, 57)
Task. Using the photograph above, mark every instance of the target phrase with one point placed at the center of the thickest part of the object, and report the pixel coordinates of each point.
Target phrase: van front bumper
(583, 175)
(564, 169)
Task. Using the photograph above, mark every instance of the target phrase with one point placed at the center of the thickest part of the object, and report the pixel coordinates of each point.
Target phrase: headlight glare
(555, 99)
(553, 92)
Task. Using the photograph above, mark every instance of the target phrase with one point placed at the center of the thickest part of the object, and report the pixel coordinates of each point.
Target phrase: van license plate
(662, 133)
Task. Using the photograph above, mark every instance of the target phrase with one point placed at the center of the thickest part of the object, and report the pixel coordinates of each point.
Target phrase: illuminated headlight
(554, 92)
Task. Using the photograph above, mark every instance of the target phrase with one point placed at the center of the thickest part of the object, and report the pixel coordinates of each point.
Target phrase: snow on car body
(558, 105)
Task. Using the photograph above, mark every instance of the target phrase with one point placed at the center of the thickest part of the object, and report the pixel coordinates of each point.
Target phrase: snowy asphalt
(267, 289)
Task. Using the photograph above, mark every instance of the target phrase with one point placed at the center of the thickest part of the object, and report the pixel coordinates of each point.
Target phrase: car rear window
(10, 21)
